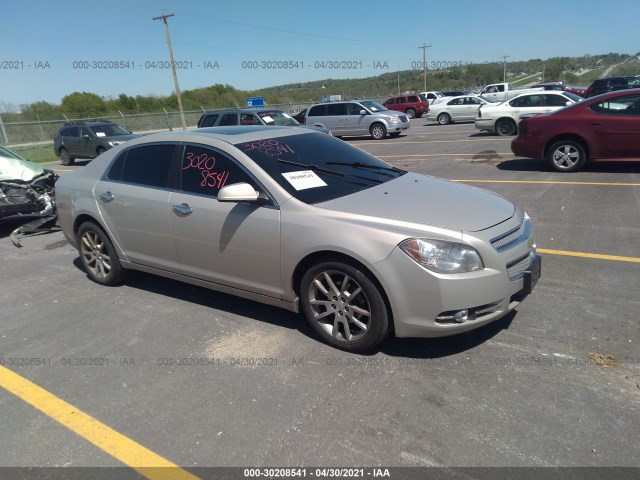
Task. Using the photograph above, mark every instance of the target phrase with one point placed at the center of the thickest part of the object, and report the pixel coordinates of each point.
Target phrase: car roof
(229, 134)
(243, 110)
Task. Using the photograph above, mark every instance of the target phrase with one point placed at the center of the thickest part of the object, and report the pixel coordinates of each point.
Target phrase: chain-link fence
(35, 131)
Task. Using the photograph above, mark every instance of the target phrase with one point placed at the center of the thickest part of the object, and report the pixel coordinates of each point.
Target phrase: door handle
(106, 197)
(182, 210)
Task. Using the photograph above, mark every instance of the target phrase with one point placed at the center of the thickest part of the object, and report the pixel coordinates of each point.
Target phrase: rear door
(614, 126)
(133, 199)
(337, 117)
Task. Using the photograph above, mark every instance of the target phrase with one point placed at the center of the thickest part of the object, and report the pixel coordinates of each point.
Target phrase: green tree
(83, 104)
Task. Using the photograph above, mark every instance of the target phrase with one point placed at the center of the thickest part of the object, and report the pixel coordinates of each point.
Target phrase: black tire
(444, 119)
(65, 158)
(378, 131)
(344, 306)
(411, 113)
(566, 156)
(100, 151)
(506, 127)
(98, 256)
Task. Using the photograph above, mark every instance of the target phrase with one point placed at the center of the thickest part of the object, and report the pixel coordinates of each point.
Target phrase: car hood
(430, 201)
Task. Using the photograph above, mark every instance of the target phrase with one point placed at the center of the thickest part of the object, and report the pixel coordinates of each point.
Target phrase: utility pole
(164, 17)
(504, 67)
(424, 63)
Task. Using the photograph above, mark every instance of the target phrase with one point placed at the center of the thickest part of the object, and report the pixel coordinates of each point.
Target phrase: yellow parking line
(479, 155)
(129, 452)
(549, 182)
(589, 255)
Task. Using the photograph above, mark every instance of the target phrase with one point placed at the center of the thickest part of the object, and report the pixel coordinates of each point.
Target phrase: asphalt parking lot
(198, 379)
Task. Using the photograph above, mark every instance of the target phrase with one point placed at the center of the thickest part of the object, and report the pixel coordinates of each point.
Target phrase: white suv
(362, 117)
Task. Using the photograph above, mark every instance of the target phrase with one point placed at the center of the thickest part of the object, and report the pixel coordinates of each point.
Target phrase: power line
(164, 17)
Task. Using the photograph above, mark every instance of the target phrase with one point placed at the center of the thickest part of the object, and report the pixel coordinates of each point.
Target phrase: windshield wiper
(311, 166)
(367, 166)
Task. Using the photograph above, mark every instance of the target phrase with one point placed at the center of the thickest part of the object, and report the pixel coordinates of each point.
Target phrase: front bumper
(424, 303)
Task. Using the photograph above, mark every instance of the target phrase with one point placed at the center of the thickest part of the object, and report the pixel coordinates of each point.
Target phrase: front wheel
(566, 156)
(344, 306)
(444, 119)
(378, 131)
(98, 256)
(100, 151)
(506, 127)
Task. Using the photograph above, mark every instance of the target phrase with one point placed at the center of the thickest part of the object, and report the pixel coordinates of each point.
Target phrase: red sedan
(602, 128)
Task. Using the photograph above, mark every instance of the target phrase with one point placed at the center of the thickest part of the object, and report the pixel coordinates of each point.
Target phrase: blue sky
(62, 36)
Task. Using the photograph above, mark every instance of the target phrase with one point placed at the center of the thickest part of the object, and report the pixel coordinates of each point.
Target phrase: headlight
(113, 143)
(442, 257)
(391, 118)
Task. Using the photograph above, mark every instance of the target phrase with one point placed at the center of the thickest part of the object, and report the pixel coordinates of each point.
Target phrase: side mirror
(240, 192)
(363, 112)
(568, 103)
(86, 136)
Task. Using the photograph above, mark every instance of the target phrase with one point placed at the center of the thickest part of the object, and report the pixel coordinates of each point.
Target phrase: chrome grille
(513, 237)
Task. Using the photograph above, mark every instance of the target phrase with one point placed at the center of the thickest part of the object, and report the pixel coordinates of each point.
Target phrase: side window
(457, 101)
(555, 100)
(209, 120)
(413, 99)
(148, 165)
(401, 100)
(249, 119)
(70, 132)
(206, 171)
(337, 109)
(317, 111)
(623, 106)
(354, 109)
(85, 131)
(389, 102)
(229, 119)
(500, 88)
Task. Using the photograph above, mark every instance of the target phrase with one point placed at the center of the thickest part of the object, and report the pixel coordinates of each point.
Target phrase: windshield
(315, 168)
(277, 117)
(9, 154)
(108, 130)
(373, 106)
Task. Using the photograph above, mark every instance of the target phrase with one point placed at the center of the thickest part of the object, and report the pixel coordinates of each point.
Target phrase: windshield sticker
(267, 119)
(301, 180)
(101, 134)
(271, 148)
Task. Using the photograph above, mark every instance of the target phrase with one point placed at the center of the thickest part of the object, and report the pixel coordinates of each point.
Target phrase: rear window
(208, 120)
(315, 168)
(148, 165)
(317, 111)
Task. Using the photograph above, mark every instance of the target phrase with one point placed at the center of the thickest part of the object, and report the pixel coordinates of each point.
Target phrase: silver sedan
(457, 109)
(306, 222)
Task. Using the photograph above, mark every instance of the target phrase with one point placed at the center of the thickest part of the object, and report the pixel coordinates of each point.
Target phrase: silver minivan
(362, 117)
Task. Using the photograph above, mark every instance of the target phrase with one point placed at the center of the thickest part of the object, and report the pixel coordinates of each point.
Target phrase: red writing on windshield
(271, 148)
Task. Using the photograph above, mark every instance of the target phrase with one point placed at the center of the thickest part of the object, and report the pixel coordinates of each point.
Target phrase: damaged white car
(26, 190)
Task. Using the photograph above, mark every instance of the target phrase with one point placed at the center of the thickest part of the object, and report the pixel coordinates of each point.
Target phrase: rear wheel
(444, 119)
(65, 158)
(344, 306)
(505, 127)
(378, 131)
(566, 156)
(98, 256)
(100, 151)
(411, 113)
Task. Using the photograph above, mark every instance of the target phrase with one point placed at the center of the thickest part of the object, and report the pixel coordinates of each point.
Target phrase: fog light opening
(461, 316)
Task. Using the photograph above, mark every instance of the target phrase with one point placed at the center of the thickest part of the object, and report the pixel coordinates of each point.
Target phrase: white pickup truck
(500, 92)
